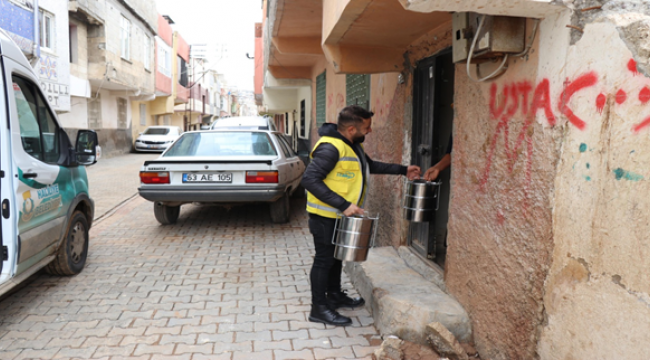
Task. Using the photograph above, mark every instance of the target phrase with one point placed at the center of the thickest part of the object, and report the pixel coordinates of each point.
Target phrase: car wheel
(71, 256)
(280, 210)
(166, 215)
(299, 193)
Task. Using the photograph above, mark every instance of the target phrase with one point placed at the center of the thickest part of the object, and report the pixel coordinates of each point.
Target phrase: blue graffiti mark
(627, 175)
(588, 166)
(588, 178)
(583, 147)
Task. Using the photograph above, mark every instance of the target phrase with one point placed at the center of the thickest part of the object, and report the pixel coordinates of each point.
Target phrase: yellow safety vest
(346, 179)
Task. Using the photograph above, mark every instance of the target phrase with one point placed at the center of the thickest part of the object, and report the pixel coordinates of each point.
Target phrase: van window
(38, 130)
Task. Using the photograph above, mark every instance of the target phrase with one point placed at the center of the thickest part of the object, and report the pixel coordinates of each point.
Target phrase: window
(182, 72)
(125, 37)
(146, 57)
(357, 88)
(46, 26)
(222, 144)
(121, 113)
(74, 46)
(143, 114)
(95, 112)
(164, 58)
(303, 127)
(321, 90)
(38, 130)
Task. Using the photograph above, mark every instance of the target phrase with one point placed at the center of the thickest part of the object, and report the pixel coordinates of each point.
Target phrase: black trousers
(325, 276)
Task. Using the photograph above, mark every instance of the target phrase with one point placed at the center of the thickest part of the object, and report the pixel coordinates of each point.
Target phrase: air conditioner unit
(499, 35)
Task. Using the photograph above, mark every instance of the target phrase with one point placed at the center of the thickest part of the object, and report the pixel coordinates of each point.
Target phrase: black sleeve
(377, 167)
(324, 159)
(450, 145)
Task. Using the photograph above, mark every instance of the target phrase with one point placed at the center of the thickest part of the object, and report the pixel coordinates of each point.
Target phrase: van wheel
(71, 256)
(166, 215)
(280, 210)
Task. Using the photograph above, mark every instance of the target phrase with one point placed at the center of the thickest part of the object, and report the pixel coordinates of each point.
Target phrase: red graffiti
(638, 127)
(631, 65)
(583, 81)
(600, 102)
(340, 101)
(644, 95)
(330, 100)
(621, 96)
(513, 96)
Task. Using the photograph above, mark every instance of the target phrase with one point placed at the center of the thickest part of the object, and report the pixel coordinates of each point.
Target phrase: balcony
(371, 36)
(293, 38)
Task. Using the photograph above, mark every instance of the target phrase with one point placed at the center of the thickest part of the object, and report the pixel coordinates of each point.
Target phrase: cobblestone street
(219, 284)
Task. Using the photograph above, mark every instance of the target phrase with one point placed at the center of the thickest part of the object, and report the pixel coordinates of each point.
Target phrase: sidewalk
(114, 180)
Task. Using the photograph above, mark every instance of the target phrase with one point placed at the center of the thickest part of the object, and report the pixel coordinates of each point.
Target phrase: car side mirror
(87, 147)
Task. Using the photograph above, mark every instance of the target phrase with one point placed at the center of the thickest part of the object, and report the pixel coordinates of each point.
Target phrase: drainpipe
(36, 48)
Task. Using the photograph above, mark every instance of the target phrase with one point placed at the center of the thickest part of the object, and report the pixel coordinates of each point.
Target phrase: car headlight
(138, 140)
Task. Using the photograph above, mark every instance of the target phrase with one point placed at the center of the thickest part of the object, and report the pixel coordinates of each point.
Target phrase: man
(336, 183)
(433, 172)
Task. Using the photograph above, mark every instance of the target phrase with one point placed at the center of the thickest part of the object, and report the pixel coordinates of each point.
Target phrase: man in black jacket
(336, 183)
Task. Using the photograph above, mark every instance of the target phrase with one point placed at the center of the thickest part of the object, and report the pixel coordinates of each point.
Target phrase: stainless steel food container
(421, 199)
(353, 237)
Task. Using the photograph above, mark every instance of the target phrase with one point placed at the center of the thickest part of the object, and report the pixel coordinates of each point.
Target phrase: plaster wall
(78, 116)
(507, 136)
(80, 67)
(282, 100)
(136, 127)
(597, 296)
(305, 93)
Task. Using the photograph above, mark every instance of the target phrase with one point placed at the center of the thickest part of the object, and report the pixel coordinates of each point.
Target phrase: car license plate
(207, 177)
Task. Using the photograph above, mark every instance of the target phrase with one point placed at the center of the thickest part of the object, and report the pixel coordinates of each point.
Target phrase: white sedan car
(157, 138)
(228, 166)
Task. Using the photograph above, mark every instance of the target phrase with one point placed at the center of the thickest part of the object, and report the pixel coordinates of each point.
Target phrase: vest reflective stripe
(346, 179)
(322, 207)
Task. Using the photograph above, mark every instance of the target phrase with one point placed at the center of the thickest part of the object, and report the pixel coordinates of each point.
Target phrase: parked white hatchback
(157, 138)
(234, 164)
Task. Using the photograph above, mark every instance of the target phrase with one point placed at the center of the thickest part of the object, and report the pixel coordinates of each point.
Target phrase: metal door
(432, 125)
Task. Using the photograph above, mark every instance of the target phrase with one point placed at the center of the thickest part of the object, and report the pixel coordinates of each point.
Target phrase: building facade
(540, 234)
(40, 28)
(112, 69)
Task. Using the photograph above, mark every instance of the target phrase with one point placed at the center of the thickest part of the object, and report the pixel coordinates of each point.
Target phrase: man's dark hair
(353, 115)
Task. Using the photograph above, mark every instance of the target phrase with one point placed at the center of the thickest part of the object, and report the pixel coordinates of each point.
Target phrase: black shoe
(323, 314)
(341, 299)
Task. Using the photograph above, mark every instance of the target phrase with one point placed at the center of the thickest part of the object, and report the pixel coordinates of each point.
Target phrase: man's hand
(353, 210)
(413, 172)
(431, 174)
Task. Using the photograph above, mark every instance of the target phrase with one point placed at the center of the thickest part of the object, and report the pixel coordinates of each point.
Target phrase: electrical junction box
(499, 35)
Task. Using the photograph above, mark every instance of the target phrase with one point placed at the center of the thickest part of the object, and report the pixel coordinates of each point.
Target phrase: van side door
(43, 189)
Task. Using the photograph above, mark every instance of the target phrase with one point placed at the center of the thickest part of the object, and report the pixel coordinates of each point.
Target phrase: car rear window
(156, 131)
(222, 144)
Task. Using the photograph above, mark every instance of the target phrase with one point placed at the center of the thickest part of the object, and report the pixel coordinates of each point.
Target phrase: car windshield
(238, 143)
(157, 131)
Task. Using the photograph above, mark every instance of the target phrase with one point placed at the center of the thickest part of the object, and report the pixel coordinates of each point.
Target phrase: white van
(46, 211)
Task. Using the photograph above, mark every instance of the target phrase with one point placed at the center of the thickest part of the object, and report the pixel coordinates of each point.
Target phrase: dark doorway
(433, 113)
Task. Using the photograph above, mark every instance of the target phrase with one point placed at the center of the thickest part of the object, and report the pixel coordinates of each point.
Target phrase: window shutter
(321, 91)
(357, 89)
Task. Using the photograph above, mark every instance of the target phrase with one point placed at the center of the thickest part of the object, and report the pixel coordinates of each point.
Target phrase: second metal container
(421, 199)
(353, 237)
